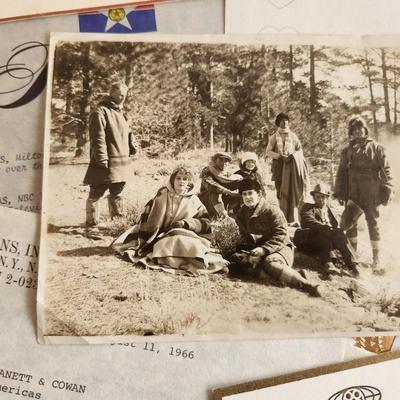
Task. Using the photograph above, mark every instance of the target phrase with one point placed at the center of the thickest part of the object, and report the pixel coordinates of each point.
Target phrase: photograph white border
(278, 39)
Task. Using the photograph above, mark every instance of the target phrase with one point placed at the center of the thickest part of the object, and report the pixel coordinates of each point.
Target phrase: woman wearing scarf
(289, 168)
(173, 232)
(249, 169)
(218, 191)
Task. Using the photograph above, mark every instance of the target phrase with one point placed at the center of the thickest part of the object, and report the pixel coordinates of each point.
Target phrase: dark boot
(291, 277)
(311, 289)
(92, 212)
(92, 219)
(377, 267)
(353, 269)
(330, 268)
(115, 206)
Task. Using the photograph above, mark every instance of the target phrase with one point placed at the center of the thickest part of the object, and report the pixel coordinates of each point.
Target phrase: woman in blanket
(173, 232)
(289, 169)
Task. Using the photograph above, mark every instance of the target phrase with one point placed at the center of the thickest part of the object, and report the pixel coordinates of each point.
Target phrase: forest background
(193, 96)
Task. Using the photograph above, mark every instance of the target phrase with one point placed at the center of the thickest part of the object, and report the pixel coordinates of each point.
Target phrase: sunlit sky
(351, 76)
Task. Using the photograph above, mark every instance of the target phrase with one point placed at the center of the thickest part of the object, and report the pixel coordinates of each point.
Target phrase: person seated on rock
(265, 243)
(218, 191)
(174, 232)
(319, 233)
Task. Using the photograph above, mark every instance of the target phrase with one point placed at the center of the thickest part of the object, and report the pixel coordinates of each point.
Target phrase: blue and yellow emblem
(120, 20)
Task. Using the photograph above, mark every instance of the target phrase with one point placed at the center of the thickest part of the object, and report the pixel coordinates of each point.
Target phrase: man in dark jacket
(110, 149)
(320, 233)
(363, 182)
(265, 241)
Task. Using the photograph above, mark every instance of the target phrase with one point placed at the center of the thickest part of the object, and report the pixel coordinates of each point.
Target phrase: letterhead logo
(357, 393)
(120, 20)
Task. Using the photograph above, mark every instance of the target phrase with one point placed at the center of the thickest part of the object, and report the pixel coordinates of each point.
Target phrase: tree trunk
(211, 123)
(212, 136)
(130, 63)
(313, 88)
(291, 79)
(69, 97)
(371, 93)
(228, 142)
(385, 87)
(235, 143)
(273, 64)
(84, 104)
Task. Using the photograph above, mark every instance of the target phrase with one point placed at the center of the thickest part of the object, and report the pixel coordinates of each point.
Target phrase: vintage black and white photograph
(220, 188)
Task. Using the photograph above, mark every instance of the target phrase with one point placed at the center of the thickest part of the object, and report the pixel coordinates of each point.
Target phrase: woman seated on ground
(173, 232)
(249, 169)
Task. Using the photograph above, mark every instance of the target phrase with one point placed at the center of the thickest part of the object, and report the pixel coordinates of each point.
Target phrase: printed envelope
(372, 378)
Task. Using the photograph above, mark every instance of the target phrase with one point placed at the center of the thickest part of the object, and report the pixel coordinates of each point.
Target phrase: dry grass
(386, 301)
(90, 291)
(117, 226)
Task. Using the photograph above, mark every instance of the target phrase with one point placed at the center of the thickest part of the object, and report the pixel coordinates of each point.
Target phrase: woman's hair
(183, 170)
(280, 117)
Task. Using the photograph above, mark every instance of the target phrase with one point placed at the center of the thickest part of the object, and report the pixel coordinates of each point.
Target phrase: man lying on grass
(266, 247)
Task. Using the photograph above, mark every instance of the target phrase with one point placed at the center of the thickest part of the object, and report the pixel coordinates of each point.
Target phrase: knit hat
(356, 122)
(249, 184)
(248, 156)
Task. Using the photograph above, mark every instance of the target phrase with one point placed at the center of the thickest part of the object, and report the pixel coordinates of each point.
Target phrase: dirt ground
(90, 291)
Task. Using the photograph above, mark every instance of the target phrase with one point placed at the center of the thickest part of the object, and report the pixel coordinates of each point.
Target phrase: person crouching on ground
(320, 233)
(218, 190)
(265, 241)
(249, 169)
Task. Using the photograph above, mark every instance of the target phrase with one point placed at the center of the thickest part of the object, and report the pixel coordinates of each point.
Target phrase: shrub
(119, 225)
(226, 235)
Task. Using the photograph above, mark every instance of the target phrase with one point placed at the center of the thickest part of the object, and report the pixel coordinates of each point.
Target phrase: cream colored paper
(339, 17)
(126, 371)
(375, 380)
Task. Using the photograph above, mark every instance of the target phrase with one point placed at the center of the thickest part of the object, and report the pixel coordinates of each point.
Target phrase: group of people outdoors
(174, 230)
